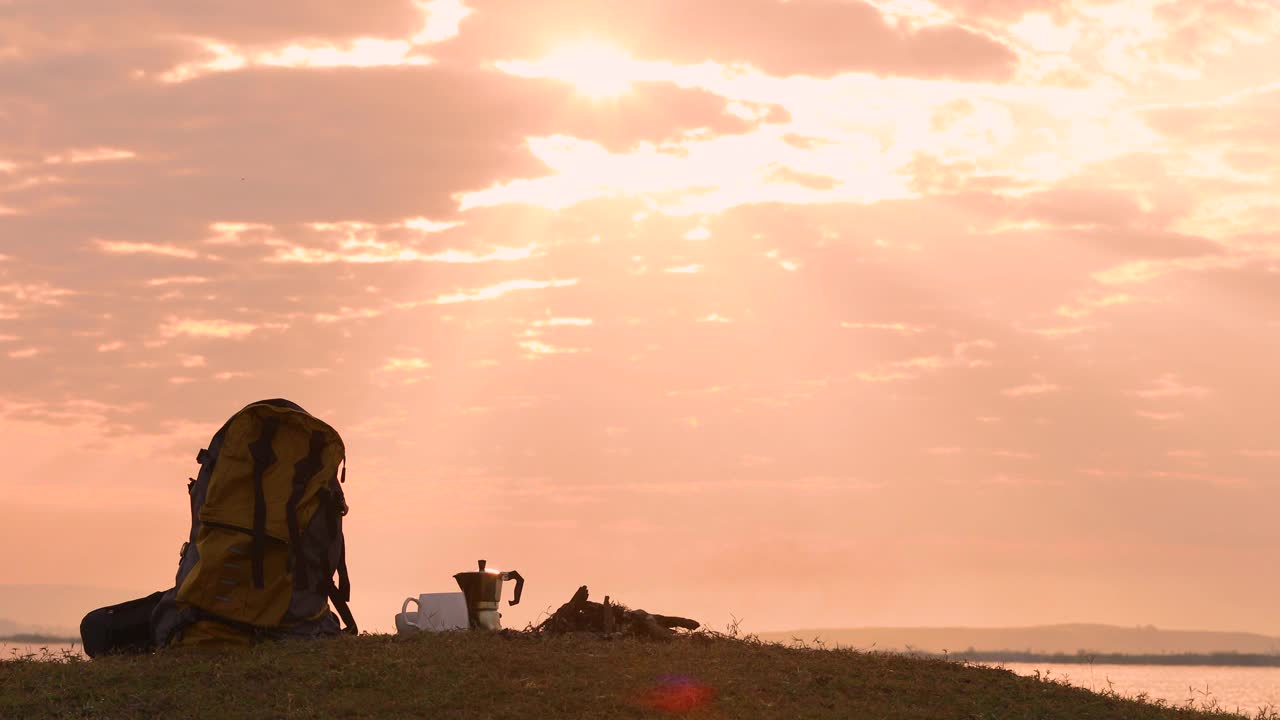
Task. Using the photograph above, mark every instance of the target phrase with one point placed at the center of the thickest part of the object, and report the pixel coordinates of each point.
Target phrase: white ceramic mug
(404, 623)
(436, 612)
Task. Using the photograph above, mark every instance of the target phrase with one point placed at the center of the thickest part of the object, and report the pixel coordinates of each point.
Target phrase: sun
(597, 69)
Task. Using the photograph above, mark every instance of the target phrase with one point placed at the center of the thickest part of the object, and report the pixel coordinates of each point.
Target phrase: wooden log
(581, 615)
(646, 626)
(671, 621)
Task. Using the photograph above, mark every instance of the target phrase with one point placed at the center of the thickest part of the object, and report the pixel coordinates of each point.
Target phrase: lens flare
(679, 694)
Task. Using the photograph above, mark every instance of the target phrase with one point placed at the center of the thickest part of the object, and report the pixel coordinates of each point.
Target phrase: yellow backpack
(266, 535)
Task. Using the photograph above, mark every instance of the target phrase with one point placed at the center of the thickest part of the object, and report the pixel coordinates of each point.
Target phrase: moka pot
(483, 591)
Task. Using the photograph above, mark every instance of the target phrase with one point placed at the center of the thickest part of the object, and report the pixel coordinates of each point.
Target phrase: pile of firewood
(610, 619)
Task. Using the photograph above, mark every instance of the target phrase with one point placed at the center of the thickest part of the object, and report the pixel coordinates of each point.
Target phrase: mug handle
(405, 609)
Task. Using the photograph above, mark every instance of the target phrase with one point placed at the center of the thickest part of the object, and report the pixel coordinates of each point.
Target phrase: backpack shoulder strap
(340, 594)
(344, 611)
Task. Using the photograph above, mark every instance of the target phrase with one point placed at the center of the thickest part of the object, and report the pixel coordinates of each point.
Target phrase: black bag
(123, 628)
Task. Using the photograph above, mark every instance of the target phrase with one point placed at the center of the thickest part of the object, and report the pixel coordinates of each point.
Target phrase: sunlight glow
(598, 70)
(1038, 30)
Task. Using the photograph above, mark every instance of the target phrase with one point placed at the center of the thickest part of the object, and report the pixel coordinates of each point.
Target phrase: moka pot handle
(519, 585)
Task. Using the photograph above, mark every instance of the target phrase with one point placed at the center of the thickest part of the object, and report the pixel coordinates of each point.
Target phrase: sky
(808, 313)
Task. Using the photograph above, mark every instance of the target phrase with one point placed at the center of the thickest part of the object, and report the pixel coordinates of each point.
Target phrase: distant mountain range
(10, 629)
(1044, 639)
(53, 610)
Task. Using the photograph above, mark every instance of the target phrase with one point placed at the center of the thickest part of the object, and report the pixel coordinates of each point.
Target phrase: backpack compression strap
(263, 458)
(303, 471)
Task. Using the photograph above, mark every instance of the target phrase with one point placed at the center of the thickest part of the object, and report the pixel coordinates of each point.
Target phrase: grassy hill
(473, 675)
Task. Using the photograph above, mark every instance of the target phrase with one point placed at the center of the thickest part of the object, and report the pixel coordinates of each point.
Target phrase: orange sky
(826, 312)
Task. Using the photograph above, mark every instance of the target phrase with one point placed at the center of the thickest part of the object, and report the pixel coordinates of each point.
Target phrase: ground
(518, 675)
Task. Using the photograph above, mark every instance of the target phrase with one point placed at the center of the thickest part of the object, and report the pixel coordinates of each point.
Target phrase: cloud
(379, 252)
(361, 52)
(848, 36)
(318, 243)
(177, 280)
(1031, 389)
(495, 291)
(358, 53)
(1212, 479)
(207, 328)
(37, 293)
(1168, 385)
(1237, 118)
(1093, 302)
(262, 164)
(1064, 331)
(964, 354)
(536, 349)
(1194, 31)
(1159, 416)
(120, 247)
(33, 25)
(348, 313)
(226, 375)
(86, 156)
(881, 376)
(891, 327)
(399, 364)
(1001, 9)
(813, 181)
(564, 322)
(1067, 206)
(1223, 147)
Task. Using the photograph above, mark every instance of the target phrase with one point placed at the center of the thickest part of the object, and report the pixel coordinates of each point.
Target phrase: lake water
(1248, 689)
(9, 650)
